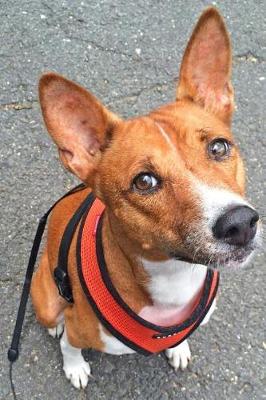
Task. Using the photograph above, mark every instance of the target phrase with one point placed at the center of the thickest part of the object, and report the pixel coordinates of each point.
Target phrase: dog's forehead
(169, 126)
(188, 117)
(140, 136)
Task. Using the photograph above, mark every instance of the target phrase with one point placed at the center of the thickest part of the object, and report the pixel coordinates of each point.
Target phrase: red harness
(115, 315)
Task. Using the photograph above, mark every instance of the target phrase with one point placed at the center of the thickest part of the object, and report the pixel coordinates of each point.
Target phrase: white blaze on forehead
(215, 201)
(165, 136)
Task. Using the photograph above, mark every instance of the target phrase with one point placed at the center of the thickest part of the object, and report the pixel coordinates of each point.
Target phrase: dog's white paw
(57, 331)
(78, 373)
(77, 370)
(179, 356)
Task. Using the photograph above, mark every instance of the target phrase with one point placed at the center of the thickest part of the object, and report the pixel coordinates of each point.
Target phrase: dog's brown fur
(107, 152)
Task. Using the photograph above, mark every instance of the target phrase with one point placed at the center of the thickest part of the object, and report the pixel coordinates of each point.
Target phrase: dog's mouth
(217, 253)
(233, 258)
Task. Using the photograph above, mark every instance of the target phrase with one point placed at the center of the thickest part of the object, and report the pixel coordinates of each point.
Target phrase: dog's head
(172, 181)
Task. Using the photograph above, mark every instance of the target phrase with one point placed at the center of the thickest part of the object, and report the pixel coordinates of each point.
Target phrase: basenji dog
(172, 187)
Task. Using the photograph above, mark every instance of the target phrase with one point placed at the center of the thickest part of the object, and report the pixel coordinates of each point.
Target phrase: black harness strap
(60, 273)
(13, 351)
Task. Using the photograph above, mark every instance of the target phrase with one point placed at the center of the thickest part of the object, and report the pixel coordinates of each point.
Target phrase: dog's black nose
(237, 226)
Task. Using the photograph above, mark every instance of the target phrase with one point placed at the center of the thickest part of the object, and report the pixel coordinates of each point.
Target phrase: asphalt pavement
(128, 54)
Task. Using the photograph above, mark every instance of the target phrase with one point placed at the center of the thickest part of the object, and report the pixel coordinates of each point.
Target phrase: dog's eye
(145, 183)
(219, 149)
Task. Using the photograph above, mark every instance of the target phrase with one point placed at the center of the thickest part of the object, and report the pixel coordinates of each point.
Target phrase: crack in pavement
(248, 57)
(134, 95)
(28, 105)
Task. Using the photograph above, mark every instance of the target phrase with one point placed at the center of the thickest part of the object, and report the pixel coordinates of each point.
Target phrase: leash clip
(62, 283)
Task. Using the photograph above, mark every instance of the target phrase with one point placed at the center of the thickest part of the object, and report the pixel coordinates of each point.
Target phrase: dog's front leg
(77, 370)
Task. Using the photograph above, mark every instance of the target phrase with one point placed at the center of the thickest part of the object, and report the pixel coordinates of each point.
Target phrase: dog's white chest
(174, 283)
(173, 287)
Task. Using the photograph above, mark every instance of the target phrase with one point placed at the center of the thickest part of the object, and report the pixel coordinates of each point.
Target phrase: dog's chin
(233, 264)
(231, 261)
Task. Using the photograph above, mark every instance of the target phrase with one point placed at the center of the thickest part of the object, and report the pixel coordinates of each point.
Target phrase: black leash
(13, 351)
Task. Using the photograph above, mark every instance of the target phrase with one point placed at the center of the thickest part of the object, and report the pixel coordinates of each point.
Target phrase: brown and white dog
(172, 182)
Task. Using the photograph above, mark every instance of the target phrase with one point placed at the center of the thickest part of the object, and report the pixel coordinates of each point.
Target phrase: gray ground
(127, 53)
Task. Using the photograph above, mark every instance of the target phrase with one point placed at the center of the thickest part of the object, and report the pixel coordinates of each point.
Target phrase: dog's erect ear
(78, 123)
(206, 67)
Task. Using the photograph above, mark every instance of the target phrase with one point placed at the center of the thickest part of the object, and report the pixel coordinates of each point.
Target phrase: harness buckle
(63, 285)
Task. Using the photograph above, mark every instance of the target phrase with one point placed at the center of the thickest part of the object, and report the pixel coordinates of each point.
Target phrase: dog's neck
(163, 284)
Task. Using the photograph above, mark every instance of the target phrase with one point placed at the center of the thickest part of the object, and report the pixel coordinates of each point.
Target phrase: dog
(172, 187)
